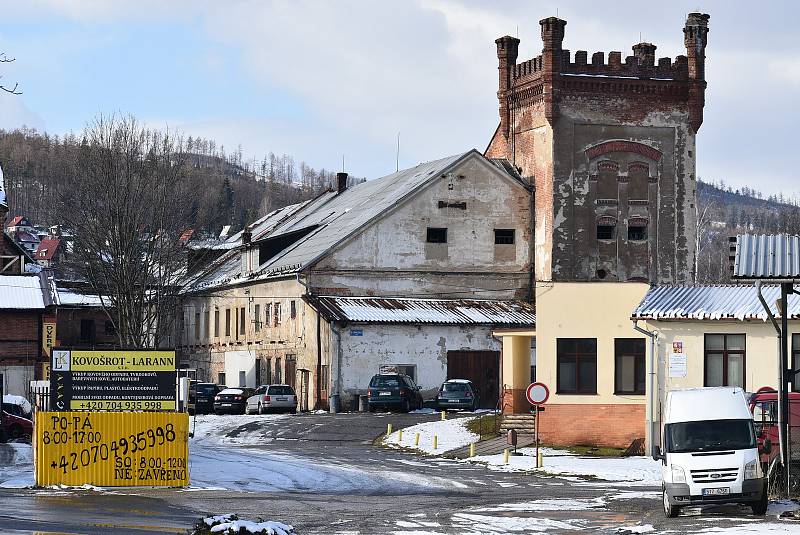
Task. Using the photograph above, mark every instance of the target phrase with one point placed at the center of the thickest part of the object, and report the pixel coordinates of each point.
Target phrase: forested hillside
(231, 190)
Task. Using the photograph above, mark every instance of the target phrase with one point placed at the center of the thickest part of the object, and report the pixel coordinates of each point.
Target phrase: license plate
(225, 404)
(280, 399)
(202, 399)
(717, 492)
(385, 393)
(454, 401)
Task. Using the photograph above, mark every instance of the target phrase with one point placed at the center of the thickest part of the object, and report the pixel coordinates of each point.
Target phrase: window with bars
(576, 371)
(637, 229)
(436, 235)
(724, 360)
(504, 236)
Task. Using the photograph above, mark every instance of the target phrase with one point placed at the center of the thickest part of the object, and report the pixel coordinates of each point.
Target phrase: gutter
(781, 415)
(651, 396)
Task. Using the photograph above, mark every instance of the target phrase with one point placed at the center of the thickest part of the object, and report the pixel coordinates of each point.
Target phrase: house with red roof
(50, 252)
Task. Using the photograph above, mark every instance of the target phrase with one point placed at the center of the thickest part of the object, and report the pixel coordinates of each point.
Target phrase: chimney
(247, 236)
(341, 182)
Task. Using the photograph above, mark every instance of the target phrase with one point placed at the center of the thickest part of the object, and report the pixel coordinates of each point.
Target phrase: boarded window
(638, 181)
(436, 235)
(504, 236)
(629, 366)
(257, 318)
(607, 184)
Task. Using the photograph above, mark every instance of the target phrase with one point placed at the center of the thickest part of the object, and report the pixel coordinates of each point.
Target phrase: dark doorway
(291, 366)
(480, 367)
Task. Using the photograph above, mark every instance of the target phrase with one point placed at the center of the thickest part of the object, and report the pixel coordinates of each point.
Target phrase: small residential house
(410, 272)
(50, 252)
(19, 224)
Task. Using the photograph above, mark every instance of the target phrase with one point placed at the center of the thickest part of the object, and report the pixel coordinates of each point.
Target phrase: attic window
(504, 236)
(436, 235)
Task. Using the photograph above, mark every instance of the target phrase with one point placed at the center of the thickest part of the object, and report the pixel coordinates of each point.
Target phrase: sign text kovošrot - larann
(113, 380)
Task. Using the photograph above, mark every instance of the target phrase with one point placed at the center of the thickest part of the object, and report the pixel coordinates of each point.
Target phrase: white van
(709, 451)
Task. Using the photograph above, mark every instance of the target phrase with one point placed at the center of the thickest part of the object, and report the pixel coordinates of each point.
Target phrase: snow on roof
(72, 298)
(21, 292)
(711, 302)
(324, 222)
(435, 311)
(767, 256)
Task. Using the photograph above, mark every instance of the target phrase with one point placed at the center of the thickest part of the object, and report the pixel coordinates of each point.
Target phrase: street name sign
(112, 380)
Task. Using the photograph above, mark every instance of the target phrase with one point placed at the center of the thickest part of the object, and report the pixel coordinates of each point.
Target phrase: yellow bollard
(444, 414)
(399, 435)
(505, 456)
(388, 429)
(416, 441)
(472, 450)
(435, 442)
(539, 461)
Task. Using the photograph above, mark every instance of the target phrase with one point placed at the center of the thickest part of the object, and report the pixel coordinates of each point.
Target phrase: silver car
(272, 398)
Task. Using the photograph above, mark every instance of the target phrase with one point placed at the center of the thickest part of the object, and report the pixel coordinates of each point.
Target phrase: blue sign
(356, 332)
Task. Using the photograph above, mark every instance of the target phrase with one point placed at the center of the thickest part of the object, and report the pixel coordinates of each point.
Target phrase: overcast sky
(322, 79)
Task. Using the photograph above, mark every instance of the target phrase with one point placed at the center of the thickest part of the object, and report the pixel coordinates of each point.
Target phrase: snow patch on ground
(451, 434)
(231, 429)
(749, 529)
(473, 523)
(16, 465)
(634, 471)
(644, 528)
(546, 505)
(230, 524)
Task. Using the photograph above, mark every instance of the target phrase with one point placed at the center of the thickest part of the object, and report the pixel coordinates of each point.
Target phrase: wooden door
(480, 367)
(291, 367)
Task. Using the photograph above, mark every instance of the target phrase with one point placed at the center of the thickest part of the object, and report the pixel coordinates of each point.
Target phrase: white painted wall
(238, 361)
(16, 379)
(425, 346)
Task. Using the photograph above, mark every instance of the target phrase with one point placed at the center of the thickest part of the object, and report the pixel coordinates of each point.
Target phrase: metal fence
(40, 395)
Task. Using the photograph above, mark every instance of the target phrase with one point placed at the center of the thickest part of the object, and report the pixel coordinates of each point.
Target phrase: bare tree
(127, 208)
(12, 90)
(701, 236)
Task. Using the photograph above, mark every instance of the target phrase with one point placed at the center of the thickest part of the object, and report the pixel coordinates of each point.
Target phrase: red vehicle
(764, 407)
(15, 422)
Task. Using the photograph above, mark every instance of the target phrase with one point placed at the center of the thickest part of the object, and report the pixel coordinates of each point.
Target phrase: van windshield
(709, 435)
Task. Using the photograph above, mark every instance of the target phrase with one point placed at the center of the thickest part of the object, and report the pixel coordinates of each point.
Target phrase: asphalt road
(466, 498)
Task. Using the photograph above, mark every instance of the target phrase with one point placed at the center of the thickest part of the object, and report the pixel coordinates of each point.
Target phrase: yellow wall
(599, 310)
(761, 350)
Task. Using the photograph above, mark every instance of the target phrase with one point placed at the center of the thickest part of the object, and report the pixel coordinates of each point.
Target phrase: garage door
(480, 367)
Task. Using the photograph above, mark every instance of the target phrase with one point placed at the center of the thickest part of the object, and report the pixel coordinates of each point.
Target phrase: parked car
(393, 390)
(232, 400)
(272, 398)
(457, 394)
(201, 397)
(15, 425)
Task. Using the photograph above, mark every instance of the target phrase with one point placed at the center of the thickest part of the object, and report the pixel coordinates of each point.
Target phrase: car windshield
(454, 387)
(281, 391)
(206, 389)
(385, 381)
(709, 435)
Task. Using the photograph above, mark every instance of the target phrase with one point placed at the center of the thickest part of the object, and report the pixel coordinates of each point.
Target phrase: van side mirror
(657, 456)
(766, 447)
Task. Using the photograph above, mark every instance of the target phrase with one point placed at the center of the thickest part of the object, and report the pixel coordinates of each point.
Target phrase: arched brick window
(607, 172)
(606, 228)
(638, 180)
(637, 229)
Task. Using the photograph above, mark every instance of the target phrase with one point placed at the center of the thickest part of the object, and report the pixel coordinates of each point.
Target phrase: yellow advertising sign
(118, 361)
(112, 449)
(48, 337)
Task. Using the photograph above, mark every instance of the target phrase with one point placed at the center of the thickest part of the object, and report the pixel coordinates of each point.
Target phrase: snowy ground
(450, 434)
(16, 465)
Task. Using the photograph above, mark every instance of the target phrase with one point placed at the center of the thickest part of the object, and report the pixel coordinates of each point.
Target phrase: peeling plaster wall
(425, 346)
(391, 256)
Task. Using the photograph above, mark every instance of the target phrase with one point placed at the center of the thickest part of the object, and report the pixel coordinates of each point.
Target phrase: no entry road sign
(537, 393)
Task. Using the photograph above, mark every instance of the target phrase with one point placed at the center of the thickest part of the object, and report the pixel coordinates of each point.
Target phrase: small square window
(437, 235)
(606, 232)
(637, 233)
(504, 236)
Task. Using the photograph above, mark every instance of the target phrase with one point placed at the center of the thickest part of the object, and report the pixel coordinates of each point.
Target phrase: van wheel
(670, 511)
(15, 431)
(760, 507)
(260, 409)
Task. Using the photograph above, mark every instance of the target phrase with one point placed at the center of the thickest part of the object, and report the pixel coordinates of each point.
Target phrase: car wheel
(260, 409)
(15, 431)
(760, 507)
(670, 511)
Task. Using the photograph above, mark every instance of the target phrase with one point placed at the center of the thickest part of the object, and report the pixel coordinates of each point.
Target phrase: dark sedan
(457, 394)
(201, 398)
(393, 390)
(232, 400)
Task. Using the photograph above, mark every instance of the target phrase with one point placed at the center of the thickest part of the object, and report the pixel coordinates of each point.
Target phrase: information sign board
(122, 380)
(112, 448)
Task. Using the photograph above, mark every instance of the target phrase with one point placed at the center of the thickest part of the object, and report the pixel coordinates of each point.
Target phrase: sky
(331, 79)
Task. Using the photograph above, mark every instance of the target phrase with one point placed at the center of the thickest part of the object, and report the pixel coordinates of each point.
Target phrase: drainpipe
(651, 395)
(780, 370)
(337, 388)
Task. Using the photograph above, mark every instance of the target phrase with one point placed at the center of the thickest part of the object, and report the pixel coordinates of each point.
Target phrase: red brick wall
(592, 425)
(19, 337)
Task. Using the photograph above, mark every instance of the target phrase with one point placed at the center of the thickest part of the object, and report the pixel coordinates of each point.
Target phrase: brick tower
(610, 146)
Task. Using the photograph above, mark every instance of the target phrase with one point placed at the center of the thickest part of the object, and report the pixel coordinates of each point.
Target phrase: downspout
(780, 367)
(651, 397)
(338, 375)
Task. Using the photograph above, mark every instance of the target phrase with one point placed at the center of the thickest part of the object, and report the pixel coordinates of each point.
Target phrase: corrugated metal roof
(72, 298)
(715, 302)
(767, 256)
(436, 311)
(21, 292)
(334, 218)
